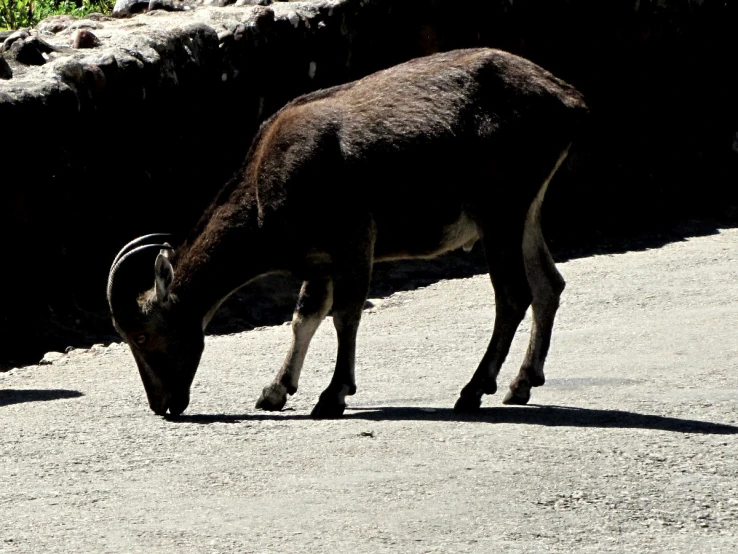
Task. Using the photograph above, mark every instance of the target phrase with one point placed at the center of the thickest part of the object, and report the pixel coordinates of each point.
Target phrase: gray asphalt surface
(630, 447)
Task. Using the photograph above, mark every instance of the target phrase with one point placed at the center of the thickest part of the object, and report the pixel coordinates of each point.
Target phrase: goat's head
(166, 341)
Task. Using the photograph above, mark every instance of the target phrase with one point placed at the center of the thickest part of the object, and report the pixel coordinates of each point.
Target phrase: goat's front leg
(316, 297)
(349, 296)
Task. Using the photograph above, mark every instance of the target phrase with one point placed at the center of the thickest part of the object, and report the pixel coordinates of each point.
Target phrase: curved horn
(146, 239)
(128, 277)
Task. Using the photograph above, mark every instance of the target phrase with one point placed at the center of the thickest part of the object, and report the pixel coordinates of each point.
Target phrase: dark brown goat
(410, 162)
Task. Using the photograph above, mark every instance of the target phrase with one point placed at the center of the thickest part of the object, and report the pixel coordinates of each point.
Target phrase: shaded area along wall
(138, 134)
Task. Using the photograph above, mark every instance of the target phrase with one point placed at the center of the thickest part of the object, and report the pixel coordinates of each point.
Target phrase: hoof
(516, 398)
(467, 405)
(519, 394)
(272, 399)
(327, 410)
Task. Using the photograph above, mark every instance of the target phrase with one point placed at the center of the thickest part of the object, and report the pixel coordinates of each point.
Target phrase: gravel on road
(631, 446)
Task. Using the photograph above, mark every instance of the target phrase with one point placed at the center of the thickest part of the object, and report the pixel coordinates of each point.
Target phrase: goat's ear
(164, 276)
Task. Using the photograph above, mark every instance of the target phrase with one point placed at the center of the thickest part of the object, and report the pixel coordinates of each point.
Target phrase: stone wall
(116, 127)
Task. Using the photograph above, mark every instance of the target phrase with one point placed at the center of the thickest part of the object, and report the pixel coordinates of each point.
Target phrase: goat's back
(462, 94)
(452, 118)
(417, 146)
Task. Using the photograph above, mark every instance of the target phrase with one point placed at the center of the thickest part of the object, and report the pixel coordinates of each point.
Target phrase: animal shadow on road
(18, 396)
(550, 416)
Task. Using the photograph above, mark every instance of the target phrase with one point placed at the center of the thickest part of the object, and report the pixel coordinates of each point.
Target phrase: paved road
(630, 447)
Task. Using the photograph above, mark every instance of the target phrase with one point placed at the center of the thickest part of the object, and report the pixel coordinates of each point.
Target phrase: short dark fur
(408, 162)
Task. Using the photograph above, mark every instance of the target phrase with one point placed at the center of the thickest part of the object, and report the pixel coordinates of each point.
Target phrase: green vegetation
(26, 13)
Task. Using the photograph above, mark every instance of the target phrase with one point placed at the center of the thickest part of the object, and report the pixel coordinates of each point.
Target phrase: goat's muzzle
(174, 404)
(179, 404)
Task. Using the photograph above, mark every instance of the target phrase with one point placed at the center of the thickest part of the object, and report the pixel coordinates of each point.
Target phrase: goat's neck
(227, 254)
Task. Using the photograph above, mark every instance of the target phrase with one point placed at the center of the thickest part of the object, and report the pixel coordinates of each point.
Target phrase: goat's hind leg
(512, 298)
(546, 285)
(313, 305)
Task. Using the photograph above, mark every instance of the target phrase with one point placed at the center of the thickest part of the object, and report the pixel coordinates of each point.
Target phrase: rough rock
(5, 71)
(95, 16)
(125, 8)
(55, 23)
(82, 38)
(58, 24)
(169, 5)
(51, 357)
(21, 34)
(30, 51)
(219, 3)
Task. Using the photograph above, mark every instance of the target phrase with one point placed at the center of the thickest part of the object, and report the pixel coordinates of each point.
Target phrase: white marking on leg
(303, 329)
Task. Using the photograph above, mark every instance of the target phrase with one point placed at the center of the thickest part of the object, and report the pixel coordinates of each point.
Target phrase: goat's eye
(141, 339)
